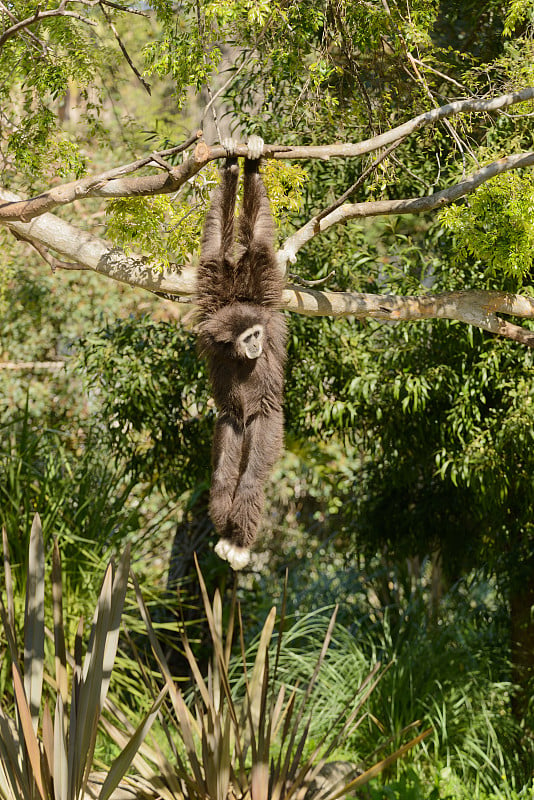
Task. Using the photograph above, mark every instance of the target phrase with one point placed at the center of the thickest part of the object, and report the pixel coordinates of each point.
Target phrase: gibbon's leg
(263, 442)
(227, 455)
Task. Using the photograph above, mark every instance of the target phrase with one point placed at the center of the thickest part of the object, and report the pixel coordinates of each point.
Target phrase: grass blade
(8, 579)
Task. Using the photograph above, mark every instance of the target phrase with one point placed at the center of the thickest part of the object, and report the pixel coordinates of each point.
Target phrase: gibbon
(243, 337)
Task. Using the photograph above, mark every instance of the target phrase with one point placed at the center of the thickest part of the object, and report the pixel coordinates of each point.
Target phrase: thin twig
(308, 283)
(124, 51)
(358, 183)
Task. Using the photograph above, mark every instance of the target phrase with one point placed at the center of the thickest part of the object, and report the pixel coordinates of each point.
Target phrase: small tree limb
(413, 205)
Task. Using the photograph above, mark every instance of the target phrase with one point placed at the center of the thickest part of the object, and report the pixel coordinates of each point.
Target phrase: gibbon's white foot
(237, 557)
(230, 145)
(255, 147)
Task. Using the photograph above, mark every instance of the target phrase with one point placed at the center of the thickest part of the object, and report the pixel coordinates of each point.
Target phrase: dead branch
(53, 366)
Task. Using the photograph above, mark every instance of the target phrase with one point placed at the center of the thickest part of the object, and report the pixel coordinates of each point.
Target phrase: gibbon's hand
(230, 145)
(237, 557)
(255, 147)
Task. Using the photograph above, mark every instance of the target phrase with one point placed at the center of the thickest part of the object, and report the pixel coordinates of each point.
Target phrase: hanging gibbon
(243, 337)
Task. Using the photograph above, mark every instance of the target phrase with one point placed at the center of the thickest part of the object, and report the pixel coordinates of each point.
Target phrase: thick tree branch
(113, 183)
(413, 205)
(90, 252)
(478, 308)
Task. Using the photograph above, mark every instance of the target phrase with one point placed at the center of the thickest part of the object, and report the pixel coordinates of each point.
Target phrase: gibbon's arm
(218, 235)
(256, 226)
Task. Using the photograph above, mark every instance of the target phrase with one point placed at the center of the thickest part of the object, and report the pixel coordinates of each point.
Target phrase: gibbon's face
(249, 344)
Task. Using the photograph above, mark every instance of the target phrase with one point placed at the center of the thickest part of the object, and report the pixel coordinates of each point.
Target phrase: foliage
(153, 395)
(34, 76)
(58, 765)
(495, 227)
(169, 229)
(43, 316)
(251, 738)
(448, 665)
(85, 495)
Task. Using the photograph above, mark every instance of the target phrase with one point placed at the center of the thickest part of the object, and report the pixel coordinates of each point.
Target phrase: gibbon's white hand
(255, 146)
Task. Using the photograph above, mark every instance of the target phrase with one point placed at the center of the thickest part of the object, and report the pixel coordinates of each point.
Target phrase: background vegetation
(405, 495)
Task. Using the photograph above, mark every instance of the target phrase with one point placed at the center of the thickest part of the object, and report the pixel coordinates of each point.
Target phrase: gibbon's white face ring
(250, 342)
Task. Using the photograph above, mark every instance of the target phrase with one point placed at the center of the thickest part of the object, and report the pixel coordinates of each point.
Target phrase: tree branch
(414, 205)
(478, 308)
(113, 183)
(39, 16)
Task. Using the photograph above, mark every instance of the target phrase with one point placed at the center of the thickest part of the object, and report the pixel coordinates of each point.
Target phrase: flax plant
(251, 744)
(51, 758)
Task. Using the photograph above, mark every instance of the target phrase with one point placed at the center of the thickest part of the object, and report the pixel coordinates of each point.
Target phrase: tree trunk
(522, 642)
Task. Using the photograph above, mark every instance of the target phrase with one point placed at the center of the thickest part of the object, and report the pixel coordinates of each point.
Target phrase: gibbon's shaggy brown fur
(243, 337)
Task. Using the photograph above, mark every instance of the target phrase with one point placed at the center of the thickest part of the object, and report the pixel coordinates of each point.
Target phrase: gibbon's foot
(237, 557)
(255, 147)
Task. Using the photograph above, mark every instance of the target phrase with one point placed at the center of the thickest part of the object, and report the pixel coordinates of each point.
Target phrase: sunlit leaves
(284, 183)
(155, 225)
(496, 226)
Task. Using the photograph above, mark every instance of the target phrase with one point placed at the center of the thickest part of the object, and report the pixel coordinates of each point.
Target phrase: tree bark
(522, 643)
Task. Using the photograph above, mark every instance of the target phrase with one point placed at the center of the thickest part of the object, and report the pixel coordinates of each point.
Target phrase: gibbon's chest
(242, 389)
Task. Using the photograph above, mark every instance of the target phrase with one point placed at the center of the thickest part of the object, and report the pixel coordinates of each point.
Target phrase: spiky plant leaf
(61, 760)
(122, 762)
(30, 738)
(97, 669)
(59, 629)
(34, 633)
